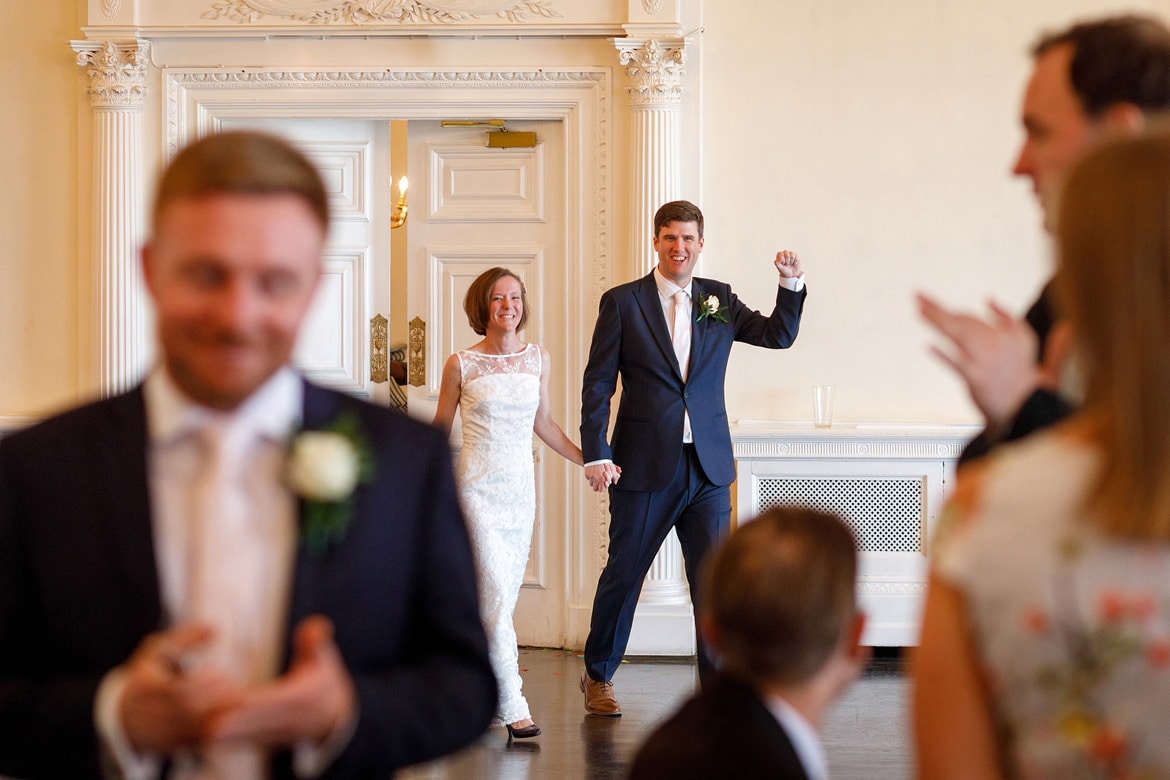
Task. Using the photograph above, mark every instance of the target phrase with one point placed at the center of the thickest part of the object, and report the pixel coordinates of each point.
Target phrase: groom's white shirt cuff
(109, 727)
(311, 761)
(796, 285)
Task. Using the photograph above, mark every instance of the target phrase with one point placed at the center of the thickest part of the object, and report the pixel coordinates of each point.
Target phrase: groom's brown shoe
(599, 698)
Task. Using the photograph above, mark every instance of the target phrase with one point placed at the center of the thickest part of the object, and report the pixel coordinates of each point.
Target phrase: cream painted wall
(877, 139)
(39, 280)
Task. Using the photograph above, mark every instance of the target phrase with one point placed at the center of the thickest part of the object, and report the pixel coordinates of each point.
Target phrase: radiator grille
(886, 514)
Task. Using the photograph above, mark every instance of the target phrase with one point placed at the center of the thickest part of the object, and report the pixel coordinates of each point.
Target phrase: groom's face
(678, 245)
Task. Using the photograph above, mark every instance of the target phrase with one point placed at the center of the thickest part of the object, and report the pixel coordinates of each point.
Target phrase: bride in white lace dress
(500, 387)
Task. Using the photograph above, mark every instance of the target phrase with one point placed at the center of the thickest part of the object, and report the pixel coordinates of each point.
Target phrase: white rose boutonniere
(709, 307)
(324, 468)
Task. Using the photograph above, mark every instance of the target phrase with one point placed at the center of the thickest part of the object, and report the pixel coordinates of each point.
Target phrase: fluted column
(654, 68)
(117, 75)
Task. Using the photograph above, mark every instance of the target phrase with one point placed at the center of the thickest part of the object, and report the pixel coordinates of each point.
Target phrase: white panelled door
(473, 208)
(354, 158)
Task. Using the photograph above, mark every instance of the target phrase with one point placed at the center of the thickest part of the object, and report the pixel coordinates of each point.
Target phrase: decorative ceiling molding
(381, 11)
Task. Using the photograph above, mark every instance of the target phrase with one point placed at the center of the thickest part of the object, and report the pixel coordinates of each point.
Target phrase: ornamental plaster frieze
(117, 71)
(359, 12)
(111, 8)
(654, 68)
(379, 78)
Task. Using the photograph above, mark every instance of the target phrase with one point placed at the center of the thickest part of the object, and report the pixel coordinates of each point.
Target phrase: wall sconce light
(398, 219)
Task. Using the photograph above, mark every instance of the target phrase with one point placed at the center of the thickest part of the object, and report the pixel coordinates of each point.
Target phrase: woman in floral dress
(1045, 646)
(500, 387)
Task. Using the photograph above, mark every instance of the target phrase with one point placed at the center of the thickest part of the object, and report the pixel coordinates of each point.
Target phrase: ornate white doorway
(569, 263)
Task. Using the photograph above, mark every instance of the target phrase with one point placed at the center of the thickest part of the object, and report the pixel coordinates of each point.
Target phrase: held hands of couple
(165, 708)
(602, 475)
(996, 357)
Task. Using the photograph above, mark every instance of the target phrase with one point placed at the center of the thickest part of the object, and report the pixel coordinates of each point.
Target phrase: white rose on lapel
(709, 307)
(323, 466)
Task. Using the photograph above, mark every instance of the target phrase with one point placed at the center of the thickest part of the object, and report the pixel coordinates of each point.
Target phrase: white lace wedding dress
(497, 404)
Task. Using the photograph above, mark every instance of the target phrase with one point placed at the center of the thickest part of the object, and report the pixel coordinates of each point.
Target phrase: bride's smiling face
(506, 307)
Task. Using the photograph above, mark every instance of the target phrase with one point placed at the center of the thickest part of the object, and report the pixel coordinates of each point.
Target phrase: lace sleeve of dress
(463, 367)
(473, 365)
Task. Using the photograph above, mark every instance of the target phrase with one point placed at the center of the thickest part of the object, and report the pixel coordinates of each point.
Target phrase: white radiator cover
(888, 482)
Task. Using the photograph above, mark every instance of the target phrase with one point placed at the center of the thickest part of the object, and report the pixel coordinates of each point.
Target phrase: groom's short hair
(677, 211)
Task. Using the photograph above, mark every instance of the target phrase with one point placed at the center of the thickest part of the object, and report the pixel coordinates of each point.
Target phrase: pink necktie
(215, 596)
(680, 335)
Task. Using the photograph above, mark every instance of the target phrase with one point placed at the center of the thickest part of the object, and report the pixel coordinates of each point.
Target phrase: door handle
(379, 350)
(416, 352)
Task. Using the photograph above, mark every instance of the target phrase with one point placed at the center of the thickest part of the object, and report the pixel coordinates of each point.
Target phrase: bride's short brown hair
(477, 303)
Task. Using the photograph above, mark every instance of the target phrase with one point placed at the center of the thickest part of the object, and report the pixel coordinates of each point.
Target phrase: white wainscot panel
(888, 482)
(343, 166)
(332, 340)
(469, 185)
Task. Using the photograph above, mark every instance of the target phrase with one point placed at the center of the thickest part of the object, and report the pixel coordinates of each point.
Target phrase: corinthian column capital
(117, 71)
(654, 67)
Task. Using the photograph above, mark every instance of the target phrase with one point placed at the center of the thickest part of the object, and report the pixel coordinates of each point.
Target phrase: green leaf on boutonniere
(709, 307)
(324, 468)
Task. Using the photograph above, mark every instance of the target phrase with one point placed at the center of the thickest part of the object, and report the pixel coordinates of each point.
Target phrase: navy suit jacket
(724, 731)
(632, 339)
(79, 589)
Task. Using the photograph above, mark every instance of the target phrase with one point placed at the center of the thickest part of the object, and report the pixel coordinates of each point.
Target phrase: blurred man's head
(233, 260)
(1091, 81)
(778, 597)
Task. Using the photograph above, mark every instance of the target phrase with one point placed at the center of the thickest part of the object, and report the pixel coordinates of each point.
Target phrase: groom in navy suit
(668, 336)
(180, 596)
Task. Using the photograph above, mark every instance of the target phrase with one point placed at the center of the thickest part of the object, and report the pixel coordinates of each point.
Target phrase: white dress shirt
(248, 550)
(666, 291)
(253, 556)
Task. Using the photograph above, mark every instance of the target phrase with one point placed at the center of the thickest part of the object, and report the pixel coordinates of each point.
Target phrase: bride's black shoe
(526, 732)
